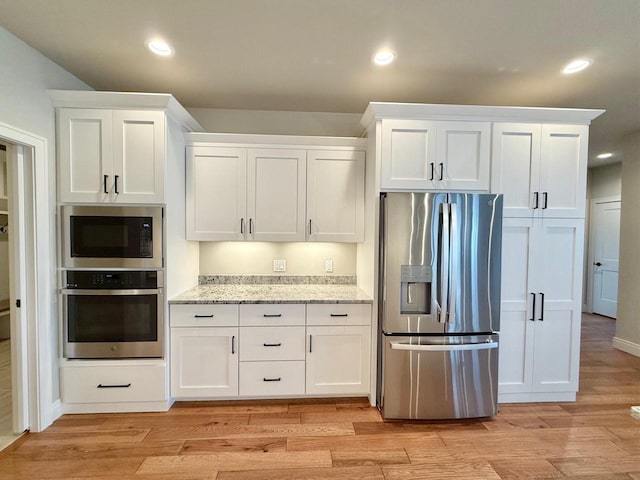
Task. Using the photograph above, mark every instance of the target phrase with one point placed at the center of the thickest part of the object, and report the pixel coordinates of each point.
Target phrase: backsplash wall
(256, 258)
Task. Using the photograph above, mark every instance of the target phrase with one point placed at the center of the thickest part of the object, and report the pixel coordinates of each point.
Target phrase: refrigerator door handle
(454, 256)
(444, 264)
(443, 348)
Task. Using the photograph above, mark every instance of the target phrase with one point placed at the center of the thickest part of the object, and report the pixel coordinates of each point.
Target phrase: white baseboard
(626, 346)
(536, 397)
(56, 410)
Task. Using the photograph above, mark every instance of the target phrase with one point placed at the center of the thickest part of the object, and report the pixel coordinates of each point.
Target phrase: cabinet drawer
(339, 314)
(271, 314)
(109, 384)
(271, 378)
(204, 315)
(271, 343)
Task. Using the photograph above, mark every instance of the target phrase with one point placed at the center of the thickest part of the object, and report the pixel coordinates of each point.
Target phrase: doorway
(604, 252)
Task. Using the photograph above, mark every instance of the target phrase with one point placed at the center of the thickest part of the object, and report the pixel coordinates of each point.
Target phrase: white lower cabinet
(541, 307)
(204, 362)
(272, 353)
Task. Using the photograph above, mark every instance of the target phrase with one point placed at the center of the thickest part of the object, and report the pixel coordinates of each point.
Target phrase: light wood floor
(6, 417)
(593, 438)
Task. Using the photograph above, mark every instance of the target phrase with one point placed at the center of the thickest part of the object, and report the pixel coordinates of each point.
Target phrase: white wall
(26, 75)
(628, 322)
(4, 238)
(278, 123)
(256, 258)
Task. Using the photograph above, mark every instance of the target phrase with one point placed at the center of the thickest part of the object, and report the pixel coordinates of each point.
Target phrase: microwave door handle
(141, 291)
(444, 264)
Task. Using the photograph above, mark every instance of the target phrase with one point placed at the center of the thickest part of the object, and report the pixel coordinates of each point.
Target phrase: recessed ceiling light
(384, 57)
(605, 155)
(160, 47)
(576, 66)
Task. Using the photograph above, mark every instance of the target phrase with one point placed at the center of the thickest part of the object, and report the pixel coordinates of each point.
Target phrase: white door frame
(37, 394)
(592, 241)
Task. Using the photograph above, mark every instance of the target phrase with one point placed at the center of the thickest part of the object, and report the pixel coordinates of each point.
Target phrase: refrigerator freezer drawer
(427, 378)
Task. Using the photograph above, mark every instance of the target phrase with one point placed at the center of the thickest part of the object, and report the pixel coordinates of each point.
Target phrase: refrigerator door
(473, 304)
(411, 234)
(439, 377)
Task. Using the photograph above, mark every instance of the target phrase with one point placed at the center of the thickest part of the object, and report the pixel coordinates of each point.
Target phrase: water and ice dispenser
(415, 289)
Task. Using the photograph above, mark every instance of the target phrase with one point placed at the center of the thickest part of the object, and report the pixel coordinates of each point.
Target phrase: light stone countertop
(271, 293)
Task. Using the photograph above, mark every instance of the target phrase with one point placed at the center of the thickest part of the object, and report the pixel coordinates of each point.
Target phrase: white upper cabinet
(216, 193)
(430, 155)
(335, 195)
(111, 155)
(540, 169)
(276, 195)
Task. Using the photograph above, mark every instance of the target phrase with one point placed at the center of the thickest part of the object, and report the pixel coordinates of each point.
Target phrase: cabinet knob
(597, 264)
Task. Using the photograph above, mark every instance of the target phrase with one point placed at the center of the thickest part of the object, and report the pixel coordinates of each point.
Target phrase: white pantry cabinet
(111, 156)
(335, 195)
(540, 169)
(541, 308)
(435, 155)
(338, 355)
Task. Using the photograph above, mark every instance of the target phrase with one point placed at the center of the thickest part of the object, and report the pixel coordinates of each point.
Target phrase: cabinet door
(138, 156)
(516, 325)
(216, 193)
(515, 166)
(204, 362)
(338, 360)
(563, 170)
(335, 196)
(557, 332)
(408, 155)
(85, 155)
(277, 193)
(463, 155)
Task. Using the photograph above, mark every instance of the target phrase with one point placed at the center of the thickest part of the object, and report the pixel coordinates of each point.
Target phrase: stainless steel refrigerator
(439, 311)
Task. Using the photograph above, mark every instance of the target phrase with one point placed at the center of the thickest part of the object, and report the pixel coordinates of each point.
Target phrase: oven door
(112, 237)
(113, 323)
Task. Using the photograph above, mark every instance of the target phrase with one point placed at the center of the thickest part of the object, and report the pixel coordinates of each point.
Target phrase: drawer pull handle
(339, 315)
(272, 315)
(204, 316)
(114, 386)
(265, 379)
(272, 344)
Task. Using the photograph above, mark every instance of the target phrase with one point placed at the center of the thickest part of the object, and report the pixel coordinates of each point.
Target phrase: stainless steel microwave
(112, 237)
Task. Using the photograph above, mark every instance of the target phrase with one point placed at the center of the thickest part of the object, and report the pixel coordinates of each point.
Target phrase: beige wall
(605, 181)
(257, 257)
(216, 120)
(628, 323)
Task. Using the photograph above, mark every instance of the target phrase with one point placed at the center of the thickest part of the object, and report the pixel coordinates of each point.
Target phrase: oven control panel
(113, 280)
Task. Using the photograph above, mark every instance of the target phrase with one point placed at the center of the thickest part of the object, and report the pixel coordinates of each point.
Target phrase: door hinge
(18, 303)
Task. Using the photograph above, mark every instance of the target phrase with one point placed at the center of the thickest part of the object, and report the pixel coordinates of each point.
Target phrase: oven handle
(141, 291)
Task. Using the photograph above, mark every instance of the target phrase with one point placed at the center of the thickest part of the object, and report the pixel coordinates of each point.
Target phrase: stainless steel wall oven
(112, 314)
(111, 237)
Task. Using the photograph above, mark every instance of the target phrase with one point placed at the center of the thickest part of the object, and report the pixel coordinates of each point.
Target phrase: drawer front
(272, 343)
(271, 378)
(204, 315)
(339, 314)
(271, 314)
(113, 384)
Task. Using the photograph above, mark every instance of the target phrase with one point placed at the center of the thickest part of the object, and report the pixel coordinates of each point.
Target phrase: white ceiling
(314, 55)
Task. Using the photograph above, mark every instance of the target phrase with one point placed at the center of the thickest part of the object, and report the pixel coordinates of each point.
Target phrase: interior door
(606, 248)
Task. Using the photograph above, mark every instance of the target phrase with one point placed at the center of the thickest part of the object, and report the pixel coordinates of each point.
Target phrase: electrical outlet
(279, 265)
(328, 265)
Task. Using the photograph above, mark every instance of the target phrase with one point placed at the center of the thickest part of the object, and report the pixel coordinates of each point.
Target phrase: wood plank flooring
(325, 439)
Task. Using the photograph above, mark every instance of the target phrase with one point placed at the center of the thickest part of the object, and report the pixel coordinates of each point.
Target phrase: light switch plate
(328, 265)
(279, 265)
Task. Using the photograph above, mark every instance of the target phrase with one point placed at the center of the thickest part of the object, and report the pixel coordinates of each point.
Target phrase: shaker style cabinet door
(540, 169)
(204, 362)
(338, 359)
(277, 194)
(216, 193)
(85, 155)
(335, 196)
(138, 156)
